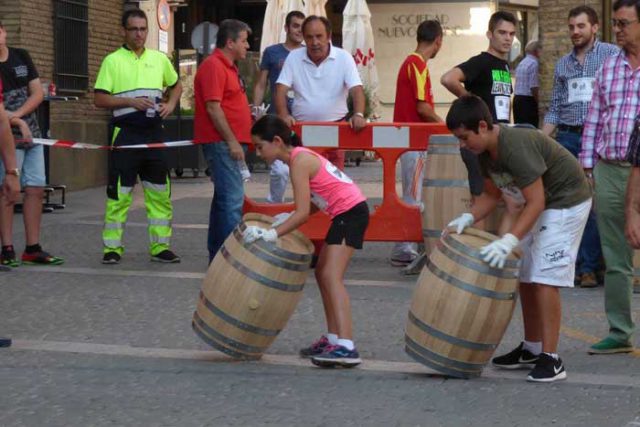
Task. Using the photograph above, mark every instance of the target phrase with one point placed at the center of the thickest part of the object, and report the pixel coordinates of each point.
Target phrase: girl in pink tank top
(318, 184)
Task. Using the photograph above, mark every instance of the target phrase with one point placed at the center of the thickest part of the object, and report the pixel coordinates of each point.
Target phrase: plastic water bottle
(151, 112)
(244, 170)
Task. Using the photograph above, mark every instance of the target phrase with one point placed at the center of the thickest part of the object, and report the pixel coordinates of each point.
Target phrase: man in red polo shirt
(223, 123)
(414, 104)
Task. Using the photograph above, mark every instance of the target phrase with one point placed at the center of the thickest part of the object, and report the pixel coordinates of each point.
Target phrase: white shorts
(550, 249)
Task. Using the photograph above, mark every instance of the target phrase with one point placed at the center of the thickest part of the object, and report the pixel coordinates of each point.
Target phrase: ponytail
(270, 126)
(295, 140)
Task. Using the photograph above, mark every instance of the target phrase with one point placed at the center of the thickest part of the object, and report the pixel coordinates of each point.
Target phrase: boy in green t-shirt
(528, 166)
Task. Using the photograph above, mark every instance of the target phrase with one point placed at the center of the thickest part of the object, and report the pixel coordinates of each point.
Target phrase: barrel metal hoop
(213, 343)
(461, 247)
(235, 322)
(257, 277)
(449, 338)
(226, 340)
(428, 182)
(442, 369)
(267, 257)
(479, 267)
(282, 253)
(443, 150)
(476, 290)
(425, 352)
(430, 232)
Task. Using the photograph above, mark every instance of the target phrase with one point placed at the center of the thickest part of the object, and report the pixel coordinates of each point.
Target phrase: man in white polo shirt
(321, 77)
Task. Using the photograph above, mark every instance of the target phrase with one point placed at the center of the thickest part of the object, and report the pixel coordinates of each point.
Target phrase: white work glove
(496, 253)
(253, 233)
(463, 221)
(281, 218)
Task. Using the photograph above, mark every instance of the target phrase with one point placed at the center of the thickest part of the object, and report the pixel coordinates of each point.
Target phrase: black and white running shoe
(516, 359)
(547, 370)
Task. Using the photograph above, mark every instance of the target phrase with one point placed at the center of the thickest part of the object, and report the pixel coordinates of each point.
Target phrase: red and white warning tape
(316, 135)
(62, 143)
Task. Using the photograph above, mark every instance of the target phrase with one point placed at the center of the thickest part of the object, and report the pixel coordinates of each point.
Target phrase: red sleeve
(215, 81)
(418, 76)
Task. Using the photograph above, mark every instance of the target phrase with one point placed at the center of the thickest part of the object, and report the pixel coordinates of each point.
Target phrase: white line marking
(290, 360)
(106, 271)
(144, 225)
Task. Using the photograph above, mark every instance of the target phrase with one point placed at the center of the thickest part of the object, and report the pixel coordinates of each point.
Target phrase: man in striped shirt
(609, 123)
(572, 91)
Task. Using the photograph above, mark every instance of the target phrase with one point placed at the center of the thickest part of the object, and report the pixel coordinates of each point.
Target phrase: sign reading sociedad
(394, 29)
(406, 25)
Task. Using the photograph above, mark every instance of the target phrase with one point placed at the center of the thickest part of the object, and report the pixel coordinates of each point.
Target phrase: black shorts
(476, 180)
(349, 227)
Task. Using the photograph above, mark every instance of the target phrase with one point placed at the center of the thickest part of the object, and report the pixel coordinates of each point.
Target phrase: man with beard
(572, 91)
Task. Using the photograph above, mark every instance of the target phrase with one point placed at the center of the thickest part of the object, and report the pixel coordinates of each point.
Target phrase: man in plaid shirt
(572, 90)
(610, 120)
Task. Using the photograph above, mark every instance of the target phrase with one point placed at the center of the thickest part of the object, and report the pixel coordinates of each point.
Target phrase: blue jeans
(590, 251)
(228, 195)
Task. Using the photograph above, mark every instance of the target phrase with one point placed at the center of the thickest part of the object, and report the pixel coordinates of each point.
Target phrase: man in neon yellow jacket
(130, 83)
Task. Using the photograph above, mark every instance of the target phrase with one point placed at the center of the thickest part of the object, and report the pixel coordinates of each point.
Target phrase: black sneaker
(165, 256)
(547, 370)
(111, 258)
(516, 359)
(5, 342)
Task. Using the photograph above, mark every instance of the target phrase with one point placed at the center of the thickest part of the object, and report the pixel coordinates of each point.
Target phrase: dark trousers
(525, 110)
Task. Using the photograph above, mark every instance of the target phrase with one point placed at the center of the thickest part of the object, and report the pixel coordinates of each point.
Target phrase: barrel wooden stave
(445, 191)
(244, 319)
(455, 329)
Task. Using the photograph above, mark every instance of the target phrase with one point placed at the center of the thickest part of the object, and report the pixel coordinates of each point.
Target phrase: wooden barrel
(461, 306)
(251, 290)
(445, 189)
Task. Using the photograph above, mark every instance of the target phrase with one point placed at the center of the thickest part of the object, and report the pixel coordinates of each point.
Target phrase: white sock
(333, 338)
(535, 347)
(346, 343)
(554, 355)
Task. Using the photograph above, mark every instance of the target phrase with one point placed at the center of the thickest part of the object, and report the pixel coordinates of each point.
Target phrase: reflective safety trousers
(124, 168)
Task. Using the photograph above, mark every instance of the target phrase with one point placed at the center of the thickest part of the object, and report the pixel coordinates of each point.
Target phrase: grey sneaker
(416, 265)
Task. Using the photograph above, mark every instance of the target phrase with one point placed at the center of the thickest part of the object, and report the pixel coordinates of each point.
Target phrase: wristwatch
(15, 172)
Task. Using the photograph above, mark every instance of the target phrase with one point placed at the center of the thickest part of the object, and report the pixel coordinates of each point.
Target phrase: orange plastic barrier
(392, 220)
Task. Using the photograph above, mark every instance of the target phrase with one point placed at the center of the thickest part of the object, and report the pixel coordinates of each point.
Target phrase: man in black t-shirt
(23, 93)
(487, 75)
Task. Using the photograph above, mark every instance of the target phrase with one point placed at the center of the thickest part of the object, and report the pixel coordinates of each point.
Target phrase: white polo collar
(332, 55)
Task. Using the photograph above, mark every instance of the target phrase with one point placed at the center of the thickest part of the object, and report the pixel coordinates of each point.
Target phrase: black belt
(572, 129)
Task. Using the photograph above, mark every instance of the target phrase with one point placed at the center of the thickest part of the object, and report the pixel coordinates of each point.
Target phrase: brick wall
(30, 24)
(555, 39)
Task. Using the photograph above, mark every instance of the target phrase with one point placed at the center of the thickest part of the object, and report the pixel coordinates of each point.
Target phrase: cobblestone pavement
(102, 345)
